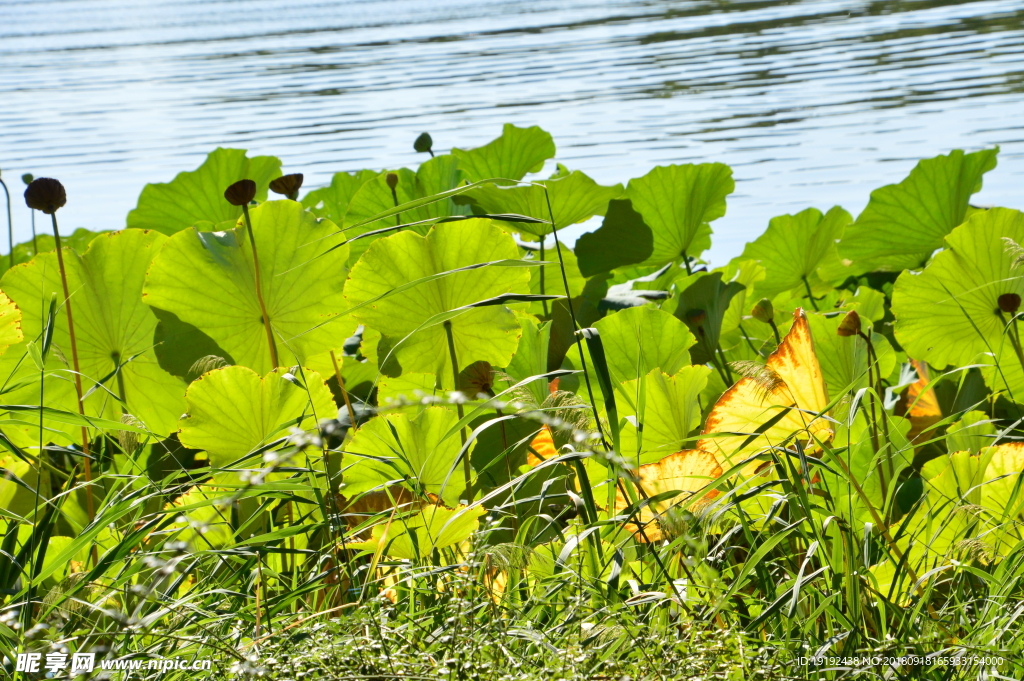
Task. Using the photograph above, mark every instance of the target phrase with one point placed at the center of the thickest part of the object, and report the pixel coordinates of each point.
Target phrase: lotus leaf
(488, 334)
(435, 527)
(302, 285)
(233, 410)
(949, 313)
(904, 223)
(794, 248)
(639, 339)
(199, 194)
(422, 450)
(510, 157)
(113, 328)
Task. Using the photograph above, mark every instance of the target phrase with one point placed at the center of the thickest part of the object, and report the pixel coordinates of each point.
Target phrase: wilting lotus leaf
(422, 450)
(332, 201)
(487, 334)
(660, 413)
(206, 279)
(686, 473)
(112, 327)
(199, 194)
(10, 323)
(639, 339)
(435, 527)
(949, 313)
(790, 387)
(574, 198)
(437, 175)
(233, 410)
(678, 202)
(794, 248)
(517, 152)
(904, 223)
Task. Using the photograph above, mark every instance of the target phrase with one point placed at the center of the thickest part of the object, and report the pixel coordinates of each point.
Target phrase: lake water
(812, 103)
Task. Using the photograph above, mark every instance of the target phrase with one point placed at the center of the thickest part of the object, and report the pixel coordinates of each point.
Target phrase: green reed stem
(467, 469)
(543, 303)
(259, 289)
(575, 324)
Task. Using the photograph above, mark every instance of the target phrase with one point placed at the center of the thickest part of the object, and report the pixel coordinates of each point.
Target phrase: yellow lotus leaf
(686, 473)
(790, 383)
(922, 405)
(541, 448)
(10, 323)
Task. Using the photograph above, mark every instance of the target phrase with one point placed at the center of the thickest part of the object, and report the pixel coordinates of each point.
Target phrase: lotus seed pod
(287, 185)
(696, 317)
(850, 326)
(45, 194)
(763, 311)
(27, 178)
(392, 180)
(423, 143)
(1009, 303)
(240, 193)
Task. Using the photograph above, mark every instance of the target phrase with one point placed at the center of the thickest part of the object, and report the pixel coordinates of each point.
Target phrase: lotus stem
(344, 393)
(78, 372)
(259, 289)
(10, 226)
(686, 262)
(467, 469)
(810, 296)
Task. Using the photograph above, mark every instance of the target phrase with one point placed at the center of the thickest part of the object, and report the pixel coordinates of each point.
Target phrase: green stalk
(575, 324)
(10, 226)
(344, 393)
(259, 289)
(810, 296)
(90, 509)
(543, 303)
(467, 469)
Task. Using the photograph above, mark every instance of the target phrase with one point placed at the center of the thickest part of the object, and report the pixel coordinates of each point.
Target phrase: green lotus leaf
(639, 339)
(795, 246)
(437, 175)
(574, 198)
(488, 334)
(435, 527)
(702, 305)
(510, 157)
(844, 359)
(679, 202)
(949, 313)
(531, 359)
(410, 386)
(206, 523)
(421, 449)
(904, 223)
(623, 239)
(112, 327)
(661, 413)
(332, 201)
(199, 194)
(302, 285)
(233, 410)
(78, 240)
(971, 433)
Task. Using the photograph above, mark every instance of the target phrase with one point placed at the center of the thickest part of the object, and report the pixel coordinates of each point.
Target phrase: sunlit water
(812, 103)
